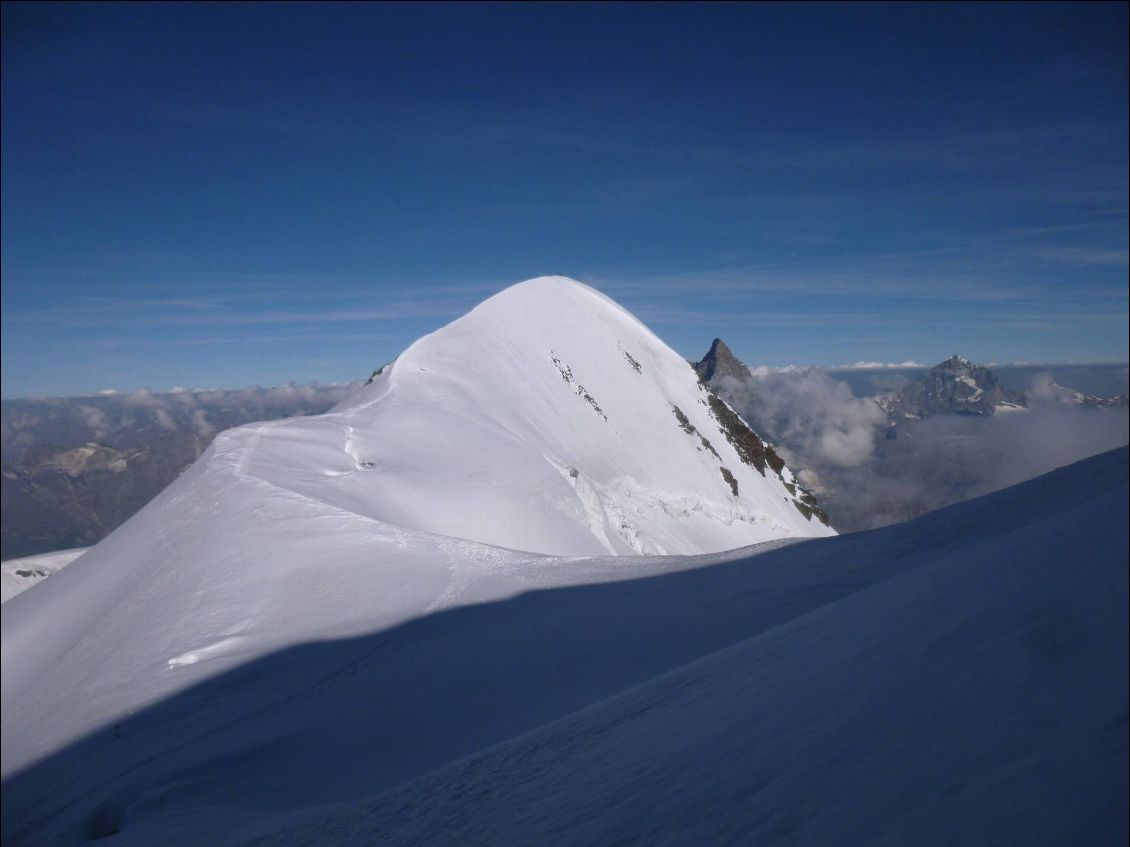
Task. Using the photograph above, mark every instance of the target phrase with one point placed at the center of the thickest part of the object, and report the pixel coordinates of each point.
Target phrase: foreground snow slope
(978, 698)
(958, 679)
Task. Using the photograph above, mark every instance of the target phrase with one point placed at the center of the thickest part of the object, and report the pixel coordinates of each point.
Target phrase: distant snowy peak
(1050, 391)
(953, 387)
(720, 361)
(550, 419)
(1118, 401)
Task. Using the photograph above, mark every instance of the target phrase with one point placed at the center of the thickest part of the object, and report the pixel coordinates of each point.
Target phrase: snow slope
(547, 419)
(958, 679)
(18, 575)
(978, 698)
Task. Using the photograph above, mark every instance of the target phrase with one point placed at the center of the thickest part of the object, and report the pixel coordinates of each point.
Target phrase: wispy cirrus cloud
(1083, 256)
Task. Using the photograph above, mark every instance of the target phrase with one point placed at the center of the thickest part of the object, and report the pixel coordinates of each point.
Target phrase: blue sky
(229, 195)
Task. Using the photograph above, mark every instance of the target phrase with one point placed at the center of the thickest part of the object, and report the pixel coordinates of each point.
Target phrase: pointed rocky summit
(720, 361)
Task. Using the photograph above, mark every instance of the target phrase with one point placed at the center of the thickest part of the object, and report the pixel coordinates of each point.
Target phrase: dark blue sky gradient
(219, 195)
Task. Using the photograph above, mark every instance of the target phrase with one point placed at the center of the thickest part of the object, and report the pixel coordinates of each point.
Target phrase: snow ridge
(548, 373)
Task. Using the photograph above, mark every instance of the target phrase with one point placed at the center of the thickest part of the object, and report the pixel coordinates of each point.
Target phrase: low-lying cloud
(876, 366)
(837, 443)
(808, 414)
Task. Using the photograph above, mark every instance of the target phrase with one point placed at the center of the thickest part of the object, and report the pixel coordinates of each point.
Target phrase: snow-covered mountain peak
(549, 299)
(539, 312)
(548, 418)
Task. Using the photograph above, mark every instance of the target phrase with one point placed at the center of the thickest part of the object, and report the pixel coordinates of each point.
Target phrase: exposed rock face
(954, 387)
(720, 361)
(377, 373)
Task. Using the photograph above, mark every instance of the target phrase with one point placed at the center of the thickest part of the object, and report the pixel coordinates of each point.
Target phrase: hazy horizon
(862, 367)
